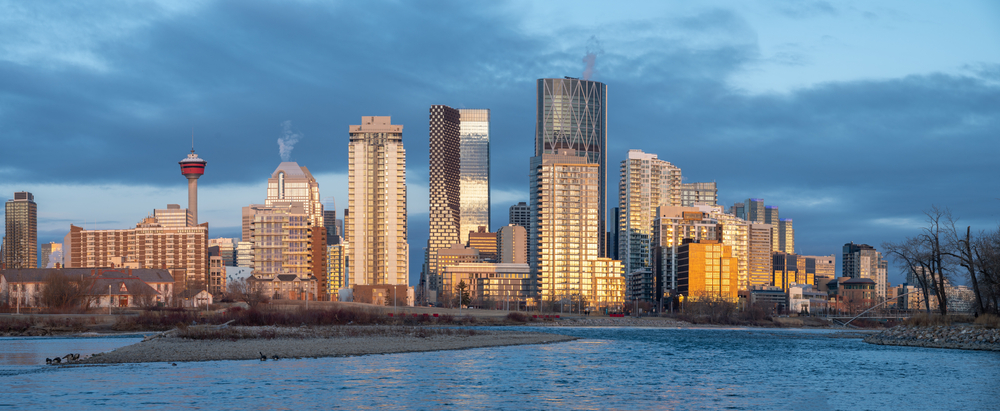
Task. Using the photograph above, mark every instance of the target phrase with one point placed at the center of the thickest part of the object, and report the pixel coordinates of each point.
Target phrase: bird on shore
(262, 356)
(48, 360)
(275, 358)
(174, 364)
(57, 360)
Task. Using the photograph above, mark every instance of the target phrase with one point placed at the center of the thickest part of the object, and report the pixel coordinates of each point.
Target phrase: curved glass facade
(475, 170)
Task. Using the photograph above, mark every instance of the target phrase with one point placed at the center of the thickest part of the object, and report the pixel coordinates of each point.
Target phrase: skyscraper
(21, 231)
(863, 261)
(51, 255)
(759, 261)
(786, 236)
(474, 135)
(645, 183)
(563, 250)
(771, 217)
(375, 225)
(291, 184)
(572, 114)
(512, 244)
(444, 188)
(753, 208)
(193, 168)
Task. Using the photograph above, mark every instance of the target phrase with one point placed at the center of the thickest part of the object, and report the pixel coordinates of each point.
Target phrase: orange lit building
(707, 269)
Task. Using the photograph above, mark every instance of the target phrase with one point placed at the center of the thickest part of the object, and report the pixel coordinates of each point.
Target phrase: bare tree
(245, 289)
(960, 248)
(986, 247)
(63, 293)
(925, 256)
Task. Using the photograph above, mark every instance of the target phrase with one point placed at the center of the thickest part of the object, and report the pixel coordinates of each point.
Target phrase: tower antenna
(192, 139)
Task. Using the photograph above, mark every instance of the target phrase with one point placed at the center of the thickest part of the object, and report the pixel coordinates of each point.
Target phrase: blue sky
(852, 117)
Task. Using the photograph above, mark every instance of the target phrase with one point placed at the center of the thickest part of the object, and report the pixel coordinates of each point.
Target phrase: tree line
(942, 252)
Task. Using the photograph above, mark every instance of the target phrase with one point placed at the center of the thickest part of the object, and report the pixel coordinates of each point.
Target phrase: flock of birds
(264, 357)
(66, 358)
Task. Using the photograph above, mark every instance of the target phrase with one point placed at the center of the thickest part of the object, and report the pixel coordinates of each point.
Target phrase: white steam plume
(593, 50)
(54, 257)
(287, 140)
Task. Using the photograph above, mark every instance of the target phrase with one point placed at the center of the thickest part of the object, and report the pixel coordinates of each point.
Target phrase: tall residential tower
(20, 246)
(375, 226)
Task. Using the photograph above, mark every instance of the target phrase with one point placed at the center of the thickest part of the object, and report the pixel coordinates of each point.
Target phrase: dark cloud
(848, 161)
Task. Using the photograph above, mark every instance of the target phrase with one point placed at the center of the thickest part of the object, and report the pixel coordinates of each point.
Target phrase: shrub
(517, 317)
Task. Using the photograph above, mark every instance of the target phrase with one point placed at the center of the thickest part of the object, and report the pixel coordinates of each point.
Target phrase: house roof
(121, 286)
(149, 275)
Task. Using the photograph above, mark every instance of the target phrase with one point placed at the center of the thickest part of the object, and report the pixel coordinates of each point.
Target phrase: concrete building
(375, 227)
(285, 240)
(771, 217)
(226, 248)
(20, 243)
(291, 184)
(672, 227)
(51, 255)
(645, 183)
(485, 242)
(786, 236)
(491, 286)
(192, 168)
(563, 250)
(572, 115)
(699, 193)
(734, 232)
(863, 261)
(244, 253)
(474, 136)
(216, 273)
(512, 245)
(182, 251)
(444, 172)
(174, 216)
(707, 270)
(520, 214)
(823, 269)
(759, 263)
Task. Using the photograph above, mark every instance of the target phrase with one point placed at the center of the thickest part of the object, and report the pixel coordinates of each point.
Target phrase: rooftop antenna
(192, 139)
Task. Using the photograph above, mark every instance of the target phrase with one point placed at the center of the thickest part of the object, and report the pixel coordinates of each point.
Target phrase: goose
(76, 356)
(275, 358)
(262, 356)
(174, 364)
(48, 360)
(56, 360)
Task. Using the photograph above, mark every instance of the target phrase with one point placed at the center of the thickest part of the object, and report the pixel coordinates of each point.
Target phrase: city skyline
(727, 85)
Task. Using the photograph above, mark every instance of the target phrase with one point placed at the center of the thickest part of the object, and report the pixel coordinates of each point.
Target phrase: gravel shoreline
(963, 337)
(302, 342)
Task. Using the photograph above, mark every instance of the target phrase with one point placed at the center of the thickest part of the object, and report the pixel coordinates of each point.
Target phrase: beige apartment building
(21, 231)
(759, 261)
(375, 227)
(564, 249)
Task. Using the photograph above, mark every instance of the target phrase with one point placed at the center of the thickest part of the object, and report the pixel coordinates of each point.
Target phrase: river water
(608, 368)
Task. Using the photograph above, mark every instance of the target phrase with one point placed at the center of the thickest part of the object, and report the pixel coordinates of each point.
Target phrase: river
(608, 368)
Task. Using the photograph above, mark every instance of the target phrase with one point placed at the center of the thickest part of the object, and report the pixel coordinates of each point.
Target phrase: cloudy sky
(851, 117)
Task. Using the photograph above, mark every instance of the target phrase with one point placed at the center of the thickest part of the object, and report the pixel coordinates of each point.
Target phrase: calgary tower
(193, 167)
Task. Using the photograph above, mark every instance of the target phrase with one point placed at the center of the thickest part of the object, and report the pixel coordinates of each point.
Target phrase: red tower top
(192, 165)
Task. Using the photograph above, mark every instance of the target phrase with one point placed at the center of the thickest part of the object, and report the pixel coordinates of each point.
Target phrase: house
(195, 299)
(119, 287)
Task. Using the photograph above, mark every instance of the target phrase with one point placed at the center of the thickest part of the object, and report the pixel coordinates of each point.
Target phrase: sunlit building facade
(174, 216)
(735, 232)
(20, 244)
(759, 255)
(673, 226)
(336, 269)
(565, 235)
(645, 183)
(485, 242)
(786, 236)
(51, 254)
(292, 184)
(474, 132)
(572, 115)
(863, 261)
(707, 270)
(375, 226)
(512, 244)
(823, 268)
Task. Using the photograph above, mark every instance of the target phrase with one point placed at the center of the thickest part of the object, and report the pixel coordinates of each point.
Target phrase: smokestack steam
(287, 140)
(593, 50)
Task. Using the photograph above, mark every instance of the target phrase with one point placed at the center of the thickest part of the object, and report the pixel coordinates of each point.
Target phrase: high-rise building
(291, 184)
(21, 231)
(375, 226)
(754, 210)
(759, 261)
(193, 168)
(336, 269)
(613, 242)
(823, 268)
(739, 210)
(786, 236)
(244, 253)
(330, 222)
(672, 227)
(485, 242)
(475, 170)
(735, 232)
(572, 115)
(512, 244)
(771, 217)
(790, 268)
(563, 250)
(863, 261)
(444, 188)
(51, 255)
(699, 193)
(645, 183)
(706, 270)
(174, 216)
(520, 214)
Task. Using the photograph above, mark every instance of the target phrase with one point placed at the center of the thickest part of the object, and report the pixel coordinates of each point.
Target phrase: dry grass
(988, 321)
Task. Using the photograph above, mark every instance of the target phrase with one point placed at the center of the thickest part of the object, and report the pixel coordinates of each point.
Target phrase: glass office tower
(475, 170)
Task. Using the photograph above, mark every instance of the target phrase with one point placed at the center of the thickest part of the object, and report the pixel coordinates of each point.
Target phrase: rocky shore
(247, 343)
(965, 337)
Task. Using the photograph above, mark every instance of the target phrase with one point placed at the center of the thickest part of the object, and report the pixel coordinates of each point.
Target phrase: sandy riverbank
(333, 341)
